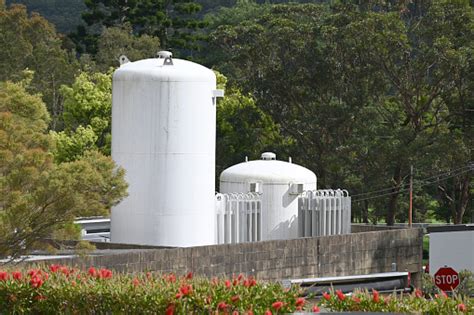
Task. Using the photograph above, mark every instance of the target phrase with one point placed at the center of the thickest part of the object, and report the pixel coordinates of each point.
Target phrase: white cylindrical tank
(279, 183)
(163, 134)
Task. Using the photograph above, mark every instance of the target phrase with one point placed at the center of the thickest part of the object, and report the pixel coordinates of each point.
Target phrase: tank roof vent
(163, 54)
(268, 156)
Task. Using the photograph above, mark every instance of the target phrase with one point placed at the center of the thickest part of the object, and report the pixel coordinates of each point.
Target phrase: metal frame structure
(239, 218)
(324, 212)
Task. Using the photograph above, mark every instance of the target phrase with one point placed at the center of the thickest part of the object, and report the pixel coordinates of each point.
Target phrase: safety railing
(239, 218)
(324, 212)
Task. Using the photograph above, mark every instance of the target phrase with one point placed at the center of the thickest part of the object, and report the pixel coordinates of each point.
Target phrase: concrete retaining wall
(359, 228)
(340, 255)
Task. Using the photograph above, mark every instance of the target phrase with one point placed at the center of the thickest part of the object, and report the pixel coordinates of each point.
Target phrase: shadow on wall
(284, 228)
(287, 199)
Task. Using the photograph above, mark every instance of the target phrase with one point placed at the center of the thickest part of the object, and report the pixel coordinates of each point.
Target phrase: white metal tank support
(163, 134)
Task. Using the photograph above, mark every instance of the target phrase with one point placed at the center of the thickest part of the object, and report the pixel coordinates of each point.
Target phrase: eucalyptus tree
(31, 42)
(365, 94)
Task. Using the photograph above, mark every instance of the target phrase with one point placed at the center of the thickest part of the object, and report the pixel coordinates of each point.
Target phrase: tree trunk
(461, 204)
(365, 212)
(392, 204)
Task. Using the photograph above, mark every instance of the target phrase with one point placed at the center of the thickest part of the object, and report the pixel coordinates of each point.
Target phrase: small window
(254, 187)
(296, 189)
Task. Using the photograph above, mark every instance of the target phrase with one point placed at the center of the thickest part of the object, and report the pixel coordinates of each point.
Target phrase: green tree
(117, 41)
(64, 14)
(174, 22)
(37, 195)
(364, 94)
(87, 116)
(32, 43)
(243, 129)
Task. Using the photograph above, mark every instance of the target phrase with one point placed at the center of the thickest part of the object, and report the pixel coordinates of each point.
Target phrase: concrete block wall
(339, 255)
(359, 228)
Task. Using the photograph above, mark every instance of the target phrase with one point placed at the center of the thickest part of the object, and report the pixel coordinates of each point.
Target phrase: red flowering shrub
(60, 289)
(414, 303)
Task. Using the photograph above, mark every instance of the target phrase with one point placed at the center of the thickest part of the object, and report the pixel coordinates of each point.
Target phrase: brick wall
(358, 253)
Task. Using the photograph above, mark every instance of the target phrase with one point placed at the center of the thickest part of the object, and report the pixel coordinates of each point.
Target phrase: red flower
(228, 284)
(235, 313)
(340, 295)
(376, 297)
(189, 275)
(64, 270)
(249, 312)
(240, 277)
(17, 275)
(186, 290)
(148, 275)
(235, 298)
(300, 301)
(268, 312)
(235, 282)
(105, 274)
(3, 276)
(170, 309)
(33, 272)
(136, 282)
(418, 293)
(462, 308)
(252, 282)
(315, 309)
(355, 299)
(92, 272)
(178, 295)
(73, 283)
(54, 268)
(36, 281)
(327, 296)
(277, 305)
(171, 278)
(222, 306)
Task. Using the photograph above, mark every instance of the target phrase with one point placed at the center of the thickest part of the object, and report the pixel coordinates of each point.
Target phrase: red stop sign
(446, 279)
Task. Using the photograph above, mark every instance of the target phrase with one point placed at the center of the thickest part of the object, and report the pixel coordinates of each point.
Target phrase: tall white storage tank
(280, 183)
(163, 134)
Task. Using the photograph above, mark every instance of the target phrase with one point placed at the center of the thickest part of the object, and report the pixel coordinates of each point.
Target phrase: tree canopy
(37, 195)
(361, 106)
(357, 91)
(31, 42)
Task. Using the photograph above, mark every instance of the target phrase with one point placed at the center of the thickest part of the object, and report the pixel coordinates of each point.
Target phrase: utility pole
(410, 209)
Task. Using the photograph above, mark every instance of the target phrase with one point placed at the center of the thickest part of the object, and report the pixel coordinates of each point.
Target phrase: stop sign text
(446, 279)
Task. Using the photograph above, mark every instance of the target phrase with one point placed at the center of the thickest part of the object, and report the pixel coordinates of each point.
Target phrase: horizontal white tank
(279, 183)
(163, 134)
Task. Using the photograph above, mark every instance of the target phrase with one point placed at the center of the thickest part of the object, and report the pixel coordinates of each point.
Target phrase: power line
(440, 178)
(404, 184)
